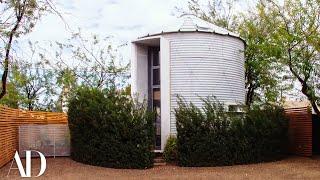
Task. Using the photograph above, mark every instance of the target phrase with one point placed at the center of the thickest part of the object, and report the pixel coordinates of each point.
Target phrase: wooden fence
(300, 130)
(11, 119)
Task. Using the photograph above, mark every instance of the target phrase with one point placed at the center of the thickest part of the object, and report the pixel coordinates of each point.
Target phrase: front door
(154, 91)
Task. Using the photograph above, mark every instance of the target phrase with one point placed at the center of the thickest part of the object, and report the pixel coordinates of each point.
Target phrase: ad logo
(27, 172)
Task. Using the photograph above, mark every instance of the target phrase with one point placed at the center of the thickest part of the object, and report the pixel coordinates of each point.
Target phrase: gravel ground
(66, 169)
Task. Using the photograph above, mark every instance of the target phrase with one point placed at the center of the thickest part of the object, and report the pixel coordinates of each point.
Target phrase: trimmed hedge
(212, 137)
(107, 129)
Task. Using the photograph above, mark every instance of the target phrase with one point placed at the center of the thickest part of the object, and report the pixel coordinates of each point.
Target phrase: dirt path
(66, 169)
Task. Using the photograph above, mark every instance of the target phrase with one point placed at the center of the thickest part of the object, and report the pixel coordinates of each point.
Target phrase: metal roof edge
(200, 31)
(146, 38)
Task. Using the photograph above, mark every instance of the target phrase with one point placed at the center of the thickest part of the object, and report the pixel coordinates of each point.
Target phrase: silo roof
(191, 23)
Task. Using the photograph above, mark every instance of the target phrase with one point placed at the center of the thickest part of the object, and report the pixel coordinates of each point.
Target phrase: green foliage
(170, 152)
(108, 129)
(19, 17)
(261, 72)
(25, 13)
(213, 137)
(33, 83)
(96, 61)
(265, 79)
(30, 87)
(127, 90)
(265, 130)
(293, 41)
(12, 97)
(40, 83)
(219, 12)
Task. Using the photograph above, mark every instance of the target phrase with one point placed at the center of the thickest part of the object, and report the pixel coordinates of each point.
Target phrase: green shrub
(170, 153)
(108, 129)
(213, 137)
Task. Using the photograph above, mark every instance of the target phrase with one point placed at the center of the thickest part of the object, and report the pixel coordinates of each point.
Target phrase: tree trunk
(315, 108)
(7, 56)
(250, 94)
(306, 91)
(305, 87)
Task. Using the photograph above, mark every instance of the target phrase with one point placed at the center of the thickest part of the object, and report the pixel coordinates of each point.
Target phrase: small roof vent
(188, 24)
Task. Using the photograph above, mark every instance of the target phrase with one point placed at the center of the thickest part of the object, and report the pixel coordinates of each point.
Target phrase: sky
(124, 20)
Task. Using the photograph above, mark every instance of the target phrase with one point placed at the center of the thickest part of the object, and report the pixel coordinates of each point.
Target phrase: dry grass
(66, 169)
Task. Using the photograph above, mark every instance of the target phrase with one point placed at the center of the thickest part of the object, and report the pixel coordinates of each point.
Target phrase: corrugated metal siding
(205, 64)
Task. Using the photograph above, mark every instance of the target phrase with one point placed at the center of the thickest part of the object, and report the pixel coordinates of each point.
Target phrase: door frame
(151, 88)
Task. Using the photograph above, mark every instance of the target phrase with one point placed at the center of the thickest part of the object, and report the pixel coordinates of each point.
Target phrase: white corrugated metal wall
(203, 64)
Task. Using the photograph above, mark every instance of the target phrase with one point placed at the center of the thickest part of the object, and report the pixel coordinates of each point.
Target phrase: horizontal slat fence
(300, 130)
(11, 119)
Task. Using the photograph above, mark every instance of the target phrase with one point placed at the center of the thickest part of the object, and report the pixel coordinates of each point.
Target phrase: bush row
(108, 129)
(210, 136)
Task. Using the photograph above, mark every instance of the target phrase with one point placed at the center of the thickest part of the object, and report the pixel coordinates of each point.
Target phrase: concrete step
(158, 154)
(158, 160)
(160, 164)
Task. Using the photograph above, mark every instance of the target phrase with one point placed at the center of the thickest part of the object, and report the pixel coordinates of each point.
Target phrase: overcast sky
(123, 19)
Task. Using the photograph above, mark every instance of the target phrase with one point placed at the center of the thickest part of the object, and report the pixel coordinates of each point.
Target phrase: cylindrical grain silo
(195, 59)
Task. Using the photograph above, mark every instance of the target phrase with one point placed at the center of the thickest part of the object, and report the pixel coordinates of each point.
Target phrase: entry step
(158, 160)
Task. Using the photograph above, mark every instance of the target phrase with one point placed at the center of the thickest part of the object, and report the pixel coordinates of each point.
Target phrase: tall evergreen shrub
(108, 129)
(210, 136)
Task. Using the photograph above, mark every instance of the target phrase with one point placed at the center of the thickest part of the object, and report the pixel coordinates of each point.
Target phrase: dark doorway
(315, 135)
(154, 90)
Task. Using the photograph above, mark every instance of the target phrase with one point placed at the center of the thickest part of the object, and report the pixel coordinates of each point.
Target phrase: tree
(220, 13)
(88, 61)
(35, 85)
(261, 79)
(80, 61)
(95, 62)
(294, 41)
(12, 98)
(17, 17)
(32, 84)
(67, 81)
(262, 73)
